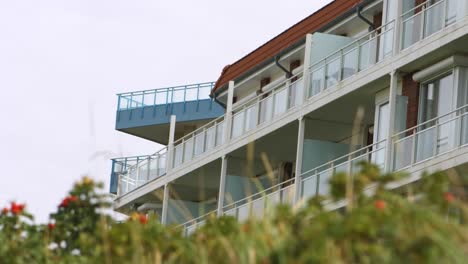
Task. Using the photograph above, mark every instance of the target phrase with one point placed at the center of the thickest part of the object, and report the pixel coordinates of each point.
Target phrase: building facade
(384, 81)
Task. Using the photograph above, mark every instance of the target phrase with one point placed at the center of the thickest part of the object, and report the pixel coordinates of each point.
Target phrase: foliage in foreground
(424, 223)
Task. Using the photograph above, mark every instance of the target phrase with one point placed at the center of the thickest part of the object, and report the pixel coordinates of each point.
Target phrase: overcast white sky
(63, 61)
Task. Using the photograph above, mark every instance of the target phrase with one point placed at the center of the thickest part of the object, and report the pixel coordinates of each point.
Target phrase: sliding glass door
(436, 133)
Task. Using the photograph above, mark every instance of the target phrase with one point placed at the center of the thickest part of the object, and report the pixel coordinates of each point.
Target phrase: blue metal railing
(164, 96)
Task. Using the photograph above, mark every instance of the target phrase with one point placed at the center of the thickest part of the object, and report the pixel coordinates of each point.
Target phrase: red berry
(5, 210)
(449, 197)
(380, 204)
(143, 219)
(16, 208)
(65, 202)
(73, 198)
(51, 226)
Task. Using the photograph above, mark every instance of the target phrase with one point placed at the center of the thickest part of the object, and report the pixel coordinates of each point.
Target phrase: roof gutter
(288, 73)
(359, 14)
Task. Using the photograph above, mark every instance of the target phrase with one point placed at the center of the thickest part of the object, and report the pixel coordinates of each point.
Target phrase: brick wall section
(411, 90)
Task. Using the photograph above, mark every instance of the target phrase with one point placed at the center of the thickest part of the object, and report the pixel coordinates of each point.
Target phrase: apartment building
(384, 81)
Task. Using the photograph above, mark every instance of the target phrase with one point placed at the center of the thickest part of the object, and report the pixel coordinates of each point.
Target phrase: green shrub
(419, 223)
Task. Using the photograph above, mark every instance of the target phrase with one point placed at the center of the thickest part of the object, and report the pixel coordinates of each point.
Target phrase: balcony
(430, 139)
(424, 20)
(288, 98)
(132, 172)
(147, 113)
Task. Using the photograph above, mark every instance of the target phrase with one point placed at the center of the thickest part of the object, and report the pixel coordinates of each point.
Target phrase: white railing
(265, 108)
(135, 172)
(316, 181)
(430, 139)
(353, 58)
(427, 19)
(256, 204)
(192, 225)
(199, 141)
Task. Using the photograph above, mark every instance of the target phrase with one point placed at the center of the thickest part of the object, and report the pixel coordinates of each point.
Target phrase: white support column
(307, 64)
(165, 204)
(228, 115)
(222, 185)
(397, 36)
(170, 145)
(299, 155)
(392, 97)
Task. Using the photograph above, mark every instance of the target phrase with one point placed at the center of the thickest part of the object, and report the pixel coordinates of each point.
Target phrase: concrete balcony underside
(152, 122)
(449, 41)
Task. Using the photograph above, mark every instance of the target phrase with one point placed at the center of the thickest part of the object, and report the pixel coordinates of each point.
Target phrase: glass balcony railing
(362, 54)
(164, 96)
(257, 204)
(427, 19)
(192, 225)
(316, 181)
(353, 58)
(132, 172)
(267, 107)
(431, 139)
(200, 141)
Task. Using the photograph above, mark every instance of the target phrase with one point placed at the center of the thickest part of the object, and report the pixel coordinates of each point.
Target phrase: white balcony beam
(222, 185)
(299, 156)
(170, 146)
(307, 62)
(228, 115)
(165, 204)
(392, 97)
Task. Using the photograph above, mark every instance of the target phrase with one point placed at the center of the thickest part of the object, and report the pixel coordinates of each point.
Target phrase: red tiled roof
(289, 37)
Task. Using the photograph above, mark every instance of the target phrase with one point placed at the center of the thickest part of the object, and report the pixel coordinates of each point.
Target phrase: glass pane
(251, 115)
(287, 195)
(412, 30)
(403, 152)
(323, 181)
(296, 93)
(237, 124)
(188, 150)
(210, 137)
(204, 92)
(243, 212)
(178, 155)
(162, 164)
(162, 97)
(266, 109)
(281, 101)
(148, 99)
(273, 199)
(333, 72)
(191, 94)
(136, 101)
(425, 144)
(451, 12)
(387, 42)
(177, 95)
(220, 133)
(258, 207)
(367, 55)
(350, 63)
(433, 21)
(153, 167)
(309, 187)
(199, 143)
(317, 81)
(446, 136)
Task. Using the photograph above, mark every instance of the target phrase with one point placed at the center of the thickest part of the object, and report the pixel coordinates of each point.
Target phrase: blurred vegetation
(417, 223)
